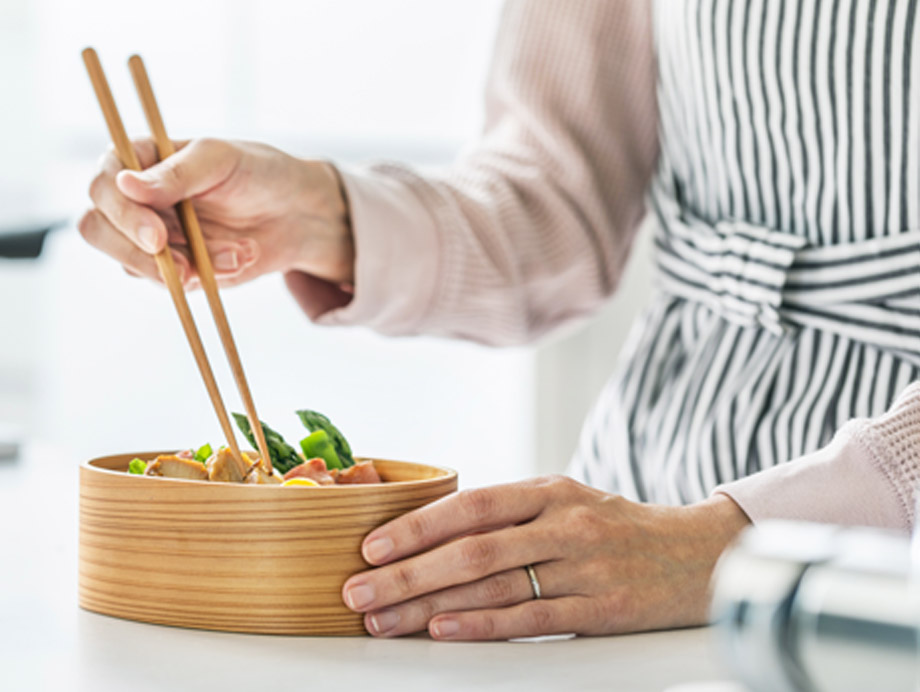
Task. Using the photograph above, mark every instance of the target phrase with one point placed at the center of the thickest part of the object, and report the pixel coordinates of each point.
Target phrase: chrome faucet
(817, 608)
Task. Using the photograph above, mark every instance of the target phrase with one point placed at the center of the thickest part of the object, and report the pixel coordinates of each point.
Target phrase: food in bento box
(324, 459)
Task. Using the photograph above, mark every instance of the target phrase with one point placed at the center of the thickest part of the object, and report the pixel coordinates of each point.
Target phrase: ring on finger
(534, 582)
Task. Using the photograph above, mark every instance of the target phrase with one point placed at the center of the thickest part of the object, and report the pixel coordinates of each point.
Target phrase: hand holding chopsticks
(164, 259)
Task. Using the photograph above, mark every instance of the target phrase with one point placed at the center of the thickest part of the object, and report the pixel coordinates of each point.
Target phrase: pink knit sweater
(532, 227)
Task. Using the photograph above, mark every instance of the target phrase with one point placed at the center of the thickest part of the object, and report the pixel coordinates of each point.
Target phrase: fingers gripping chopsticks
(164, 259)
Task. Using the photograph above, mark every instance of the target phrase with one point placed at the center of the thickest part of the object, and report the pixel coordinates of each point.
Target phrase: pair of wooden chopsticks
(164, 260)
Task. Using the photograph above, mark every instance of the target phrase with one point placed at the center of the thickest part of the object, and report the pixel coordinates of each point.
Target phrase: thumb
(198, 167)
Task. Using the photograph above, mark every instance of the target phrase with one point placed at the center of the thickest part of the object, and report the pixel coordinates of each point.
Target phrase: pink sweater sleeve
(866, 476)
(533, 225)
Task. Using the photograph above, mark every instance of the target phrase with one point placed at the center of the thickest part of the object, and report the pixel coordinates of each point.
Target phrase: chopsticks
(189, 221)
(164, 260)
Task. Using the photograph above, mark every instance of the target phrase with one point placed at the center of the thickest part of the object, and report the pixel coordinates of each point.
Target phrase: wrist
(722, 519)
(711, 526)
(326, 244)
(724, 515)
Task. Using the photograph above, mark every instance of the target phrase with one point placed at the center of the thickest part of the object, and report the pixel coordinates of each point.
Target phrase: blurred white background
(96, 362)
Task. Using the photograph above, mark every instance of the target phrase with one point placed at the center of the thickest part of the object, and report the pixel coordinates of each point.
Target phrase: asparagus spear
(283, 456)
(318, 444)
(314, 421)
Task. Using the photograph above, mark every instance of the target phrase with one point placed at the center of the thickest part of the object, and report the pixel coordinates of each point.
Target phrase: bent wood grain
(240, 558)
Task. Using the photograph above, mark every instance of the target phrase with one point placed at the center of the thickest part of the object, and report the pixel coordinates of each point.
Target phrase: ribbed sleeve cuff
(397, 255)
(846, 482)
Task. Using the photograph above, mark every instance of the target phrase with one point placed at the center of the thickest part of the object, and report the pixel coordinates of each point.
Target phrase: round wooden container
(241, 558)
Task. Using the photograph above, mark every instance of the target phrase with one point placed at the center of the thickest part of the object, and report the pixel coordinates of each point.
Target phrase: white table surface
(48, 643)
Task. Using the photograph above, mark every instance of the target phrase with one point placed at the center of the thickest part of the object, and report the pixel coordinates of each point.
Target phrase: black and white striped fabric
(788, 243)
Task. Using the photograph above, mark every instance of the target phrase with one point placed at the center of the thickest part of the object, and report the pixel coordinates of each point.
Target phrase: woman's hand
(604, 564)
(260, 210)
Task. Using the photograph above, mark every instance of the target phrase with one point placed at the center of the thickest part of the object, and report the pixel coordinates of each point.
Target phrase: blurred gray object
(24, 242)
(10, 441)
(19, 241)
(816, 608)
(708, 686)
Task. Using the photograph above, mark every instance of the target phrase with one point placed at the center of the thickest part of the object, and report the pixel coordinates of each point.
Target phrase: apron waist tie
(867, 290)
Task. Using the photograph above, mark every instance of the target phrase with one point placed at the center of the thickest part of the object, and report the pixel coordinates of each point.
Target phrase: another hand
(605, 564)
(260, 210)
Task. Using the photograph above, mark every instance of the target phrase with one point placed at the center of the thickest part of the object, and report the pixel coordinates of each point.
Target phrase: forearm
(865, 477)
(533, 226)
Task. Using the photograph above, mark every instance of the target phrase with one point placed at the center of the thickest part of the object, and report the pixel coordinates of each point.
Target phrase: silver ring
(534, 582)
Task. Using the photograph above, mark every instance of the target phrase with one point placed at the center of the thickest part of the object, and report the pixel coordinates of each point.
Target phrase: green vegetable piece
(318, 444)
(283, 456)
(137, 466)
(204, 453)
(314, 421)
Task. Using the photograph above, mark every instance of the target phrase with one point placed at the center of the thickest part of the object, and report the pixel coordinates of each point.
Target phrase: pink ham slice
(314, 469)
(362, 472)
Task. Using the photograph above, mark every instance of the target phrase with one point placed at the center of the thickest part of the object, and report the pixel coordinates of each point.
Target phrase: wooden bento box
(236, 557)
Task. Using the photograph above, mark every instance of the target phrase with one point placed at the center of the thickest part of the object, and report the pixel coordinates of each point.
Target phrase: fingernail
(248, 249)
(359, 596)
(378, 550)
(227, 261)
(445, 628)
(147, 235)
(384, 621)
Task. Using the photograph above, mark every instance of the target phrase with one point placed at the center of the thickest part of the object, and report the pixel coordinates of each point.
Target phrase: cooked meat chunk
(223, 467)
(314, 469)
(259, 477)
(173, 466)
(362, 472)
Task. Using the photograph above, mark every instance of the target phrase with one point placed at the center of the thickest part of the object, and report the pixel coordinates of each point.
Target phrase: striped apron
(787, 240)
